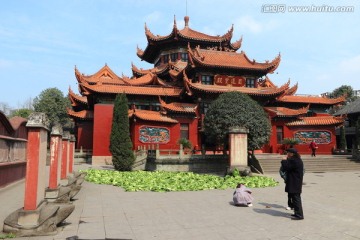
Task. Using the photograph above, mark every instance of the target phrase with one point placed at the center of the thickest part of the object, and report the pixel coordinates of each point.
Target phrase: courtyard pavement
(330, 201)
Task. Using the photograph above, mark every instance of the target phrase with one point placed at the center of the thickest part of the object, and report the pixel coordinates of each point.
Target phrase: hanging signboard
(224, 80)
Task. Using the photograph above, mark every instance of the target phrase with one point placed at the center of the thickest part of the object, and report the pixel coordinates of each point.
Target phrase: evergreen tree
(53, 103)
(357, 134)
(23, 112)
(342, 138)
(120, 143)
(237, 109)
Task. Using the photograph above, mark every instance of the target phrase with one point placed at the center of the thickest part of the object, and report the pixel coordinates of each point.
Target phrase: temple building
(169, 101)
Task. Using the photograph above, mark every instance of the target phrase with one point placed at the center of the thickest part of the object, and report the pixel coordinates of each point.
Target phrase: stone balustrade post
(37, 125)
(65, 155)
(55, 156)
(181, 151)
(157, 152)
(71, 153)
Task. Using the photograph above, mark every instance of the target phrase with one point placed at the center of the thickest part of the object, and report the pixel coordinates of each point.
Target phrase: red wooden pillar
(65, 155)
(55, 156)
(71, 153)
(36, 160)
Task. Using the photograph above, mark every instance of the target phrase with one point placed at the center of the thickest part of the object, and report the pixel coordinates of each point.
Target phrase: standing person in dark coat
(294, 167)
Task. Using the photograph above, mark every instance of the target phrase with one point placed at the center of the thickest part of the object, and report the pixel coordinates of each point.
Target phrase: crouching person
(242, 196)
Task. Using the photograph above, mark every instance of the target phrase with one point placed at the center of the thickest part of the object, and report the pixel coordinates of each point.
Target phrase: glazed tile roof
(267, 83)
(316, 121)
(236, 45)
(161, 82)
(266, 91)
(311, 99)
(188, 33)
(183, 37)
(105, 74)
(147, 115)
(177, 66)
(84, 114)
(156, 70)
(143, 80)
(286, 112)
(292, 90)
(179, 107)
(135, 90)
(223, 59)
(77, 98)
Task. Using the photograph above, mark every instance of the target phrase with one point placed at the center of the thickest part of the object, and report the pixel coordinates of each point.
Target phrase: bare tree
(5, 108)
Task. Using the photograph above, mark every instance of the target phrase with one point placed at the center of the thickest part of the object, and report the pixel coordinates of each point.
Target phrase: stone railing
(12, 159)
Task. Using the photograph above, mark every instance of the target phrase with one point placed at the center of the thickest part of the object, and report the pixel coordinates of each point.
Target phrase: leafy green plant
(8, 235)
(185, 143)
(161, 181)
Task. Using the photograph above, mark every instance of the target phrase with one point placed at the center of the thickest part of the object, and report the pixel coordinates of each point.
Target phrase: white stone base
(101, 160)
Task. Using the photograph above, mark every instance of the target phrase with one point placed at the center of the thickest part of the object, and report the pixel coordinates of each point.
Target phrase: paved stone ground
(330, 201)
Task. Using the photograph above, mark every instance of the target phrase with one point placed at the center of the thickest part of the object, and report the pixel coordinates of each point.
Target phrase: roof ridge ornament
(186, 19)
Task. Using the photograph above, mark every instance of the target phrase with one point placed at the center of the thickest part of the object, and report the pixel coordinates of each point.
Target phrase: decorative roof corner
(186, 84)
(236, 45)
(227, 36)
(139, 52)
(292, 90)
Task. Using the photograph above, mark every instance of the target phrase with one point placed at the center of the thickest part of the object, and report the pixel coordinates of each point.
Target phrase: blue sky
(41, 41)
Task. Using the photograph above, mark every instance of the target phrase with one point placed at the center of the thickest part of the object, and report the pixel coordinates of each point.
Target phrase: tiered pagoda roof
(184, 37)
(230, 60)
(213, 54)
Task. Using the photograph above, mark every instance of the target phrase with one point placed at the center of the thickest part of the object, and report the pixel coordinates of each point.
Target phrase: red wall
(174, 129)
(102, 129)
(103, 121)
(84, 135)
(322, 148)
(275, 147)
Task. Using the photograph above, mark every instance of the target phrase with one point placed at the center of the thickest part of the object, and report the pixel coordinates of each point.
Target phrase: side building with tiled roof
(170, 100)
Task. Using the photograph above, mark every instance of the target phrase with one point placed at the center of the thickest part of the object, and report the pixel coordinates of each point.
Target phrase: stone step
(322, 163)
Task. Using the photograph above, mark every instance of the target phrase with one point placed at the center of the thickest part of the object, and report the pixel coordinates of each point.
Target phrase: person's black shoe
(297, 218)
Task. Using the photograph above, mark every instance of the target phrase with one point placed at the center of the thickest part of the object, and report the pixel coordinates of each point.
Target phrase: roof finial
(186, 19)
